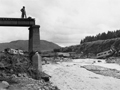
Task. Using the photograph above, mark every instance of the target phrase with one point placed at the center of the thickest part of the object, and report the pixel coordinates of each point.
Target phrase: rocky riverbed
(81, 75)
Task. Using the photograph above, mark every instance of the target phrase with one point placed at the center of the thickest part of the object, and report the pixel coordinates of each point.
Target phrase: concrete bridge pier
(34, 38)
(34, 48)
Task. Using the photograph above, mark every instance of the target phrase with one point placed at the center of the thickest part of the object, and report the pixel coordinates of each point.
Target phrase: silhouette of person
(23, 12)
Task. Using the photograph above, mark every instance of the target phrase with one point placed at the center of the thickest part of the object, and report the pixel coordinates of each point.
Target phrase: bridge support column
(34, 48)
(34, 38)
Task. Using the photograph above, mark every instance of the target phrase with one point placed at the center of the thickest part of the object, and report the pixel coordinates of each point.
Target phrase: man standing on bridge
(23, 12)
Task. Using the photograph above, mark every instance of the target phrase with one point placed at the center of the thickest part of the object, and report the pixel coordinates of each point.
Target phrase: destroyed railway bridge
(34, 37)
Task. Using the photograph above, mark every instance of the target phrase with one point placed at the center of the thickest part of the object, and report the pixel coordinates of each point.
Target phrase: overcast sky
(64, 22)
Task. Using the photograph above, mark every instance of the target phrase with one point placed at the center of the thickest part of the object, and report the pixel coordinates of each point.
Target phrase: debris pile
(17, 72)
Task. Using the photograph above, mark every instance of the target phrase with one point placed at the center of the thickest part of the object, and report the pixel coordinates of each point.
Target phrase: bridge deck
(17, 22)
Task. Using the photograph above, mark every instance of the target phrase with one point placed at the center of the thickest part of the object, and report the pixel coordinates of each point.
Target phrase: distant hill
(23, 44)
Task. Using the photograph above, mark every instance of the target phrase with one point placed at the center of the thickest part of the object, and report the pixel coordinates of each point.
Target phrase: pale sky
(64, 22)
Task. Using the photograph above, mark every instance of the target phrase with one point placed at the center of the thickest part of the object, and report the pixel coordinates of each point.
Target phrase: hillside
(95, 47)
(92, 48)
(23, 44)
(102, 36)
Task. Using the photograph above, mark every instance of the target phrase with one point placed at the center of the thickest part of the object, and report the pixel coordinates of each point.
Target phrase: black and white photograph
(59, 44)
